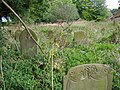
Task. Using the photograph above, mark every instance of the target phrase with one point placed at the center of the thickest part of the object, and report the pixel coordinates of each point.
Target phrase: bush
(28, 74)
(63, 11)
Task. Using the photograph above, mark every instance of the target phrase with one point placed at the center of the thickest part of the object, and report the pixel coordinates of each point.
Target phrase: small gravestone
(17, 34)
(79, 37)
(88, 77)
(27, 44)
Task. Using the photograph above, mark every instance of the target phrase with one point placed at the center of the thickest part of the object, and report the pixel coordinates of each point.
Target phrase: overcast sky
(112, 4)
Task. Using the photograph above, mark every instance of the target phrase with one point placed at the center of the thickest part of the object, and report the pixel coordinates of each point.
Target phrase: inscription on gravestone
(88, 77)
(28, 46)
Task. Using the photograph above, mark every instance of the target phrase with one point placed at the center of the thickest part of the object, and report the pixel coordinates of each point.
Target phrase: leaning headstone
(79, 37)
(27, 44)
(88, 77)
(17, 34)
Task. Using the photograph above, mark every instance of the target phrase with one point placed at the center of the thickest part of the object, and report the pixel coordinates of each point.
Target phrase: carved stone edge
(65, 78)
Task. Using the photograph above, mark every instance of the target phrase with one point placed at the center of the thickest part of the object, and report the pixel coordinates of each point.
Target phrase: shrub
(62, 11)
(28, 74)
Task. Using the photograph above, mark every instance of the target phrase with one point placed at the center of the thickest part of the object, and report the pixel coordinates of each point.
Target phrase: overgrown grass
(35, 73)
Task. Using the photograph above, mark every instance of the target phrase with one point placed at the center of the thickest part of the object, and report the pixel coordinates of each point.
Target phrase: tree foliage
(91, 9)
(114, 11)
(40, 10)
(62, 11)
(20, 6)
(45, 10)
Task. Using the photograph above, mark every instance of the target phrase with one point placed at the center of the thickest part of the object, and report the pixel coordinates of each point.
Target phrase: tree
(114, 11)
(27, 9)
(39, 10)
(20, 6)
(91, 9)
(63, 10)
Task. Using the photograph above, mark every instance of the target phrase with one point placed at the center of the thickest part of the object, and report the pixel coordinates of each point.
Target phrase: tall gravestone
(79, 37)
(88, 77)
(27, 44)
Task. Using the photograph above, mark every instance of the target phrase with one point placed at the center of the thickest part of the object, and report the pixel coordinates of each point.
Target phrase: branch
(69, 24)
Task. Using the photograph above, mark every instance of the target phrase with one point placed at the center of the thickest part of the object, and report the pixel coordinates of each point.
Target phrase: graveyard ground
(99, 44)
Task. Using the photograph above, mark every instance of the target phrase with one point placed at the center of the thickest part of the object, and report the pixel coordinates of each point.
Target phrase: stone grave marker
(28, 46)
(88, 77)
(79, 37)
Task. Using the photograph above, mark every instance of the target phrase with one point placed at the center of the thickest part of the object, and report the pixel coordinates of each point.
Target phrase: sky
(112, 4)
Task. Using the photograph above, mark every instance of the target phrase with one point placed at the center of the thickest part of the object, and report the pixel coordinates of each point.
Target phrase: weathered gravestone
(17, 34)
(79, 37)
(28, 46)
(88, 77)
